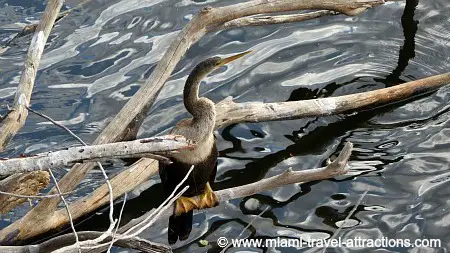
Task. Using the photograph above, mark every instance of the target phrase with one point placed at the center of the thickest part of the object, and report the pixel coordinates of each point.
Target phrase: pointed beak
(232, 58)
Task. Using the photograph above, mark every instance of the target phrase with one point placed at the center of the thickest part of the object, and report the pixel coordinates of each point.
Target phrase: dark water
(97, 58)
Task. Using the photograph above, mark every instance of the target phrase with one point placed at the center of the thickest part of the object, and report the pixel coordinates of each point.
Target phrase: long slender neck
(191, 99)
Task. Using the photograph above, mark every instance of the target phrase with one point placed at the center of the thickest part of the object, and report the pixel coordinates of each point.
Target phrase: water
(97, 58)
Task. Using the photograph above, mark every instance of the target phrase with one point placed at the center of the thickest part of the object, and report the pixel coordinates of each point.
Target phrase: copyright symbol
(222, 242)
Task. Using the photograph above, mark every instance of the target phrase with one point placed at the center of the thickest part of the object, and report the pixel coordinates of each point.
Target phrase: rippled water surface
(97, 58)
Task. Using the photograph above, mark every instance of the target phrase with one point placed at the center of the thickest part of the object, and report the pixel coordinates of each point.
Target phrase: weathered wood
(16, 118)
(271, 20)
(133, 112)
(125, 181)
(58, 242)
(22, 184)
(229, 112)
(129, 149)
(236, 110)
(336, 168)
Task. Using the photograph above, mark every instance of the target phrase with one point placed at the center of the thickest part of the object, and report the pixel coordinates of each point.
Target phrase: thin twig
(118, 223)
(36, 196)
(164, 205)
(58, 125)
(77, 242)
(108, 183)
(144, 223)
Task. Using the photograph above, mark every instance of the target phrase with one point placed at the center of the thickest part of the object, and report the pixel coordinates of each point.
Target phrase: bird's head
(213, 63)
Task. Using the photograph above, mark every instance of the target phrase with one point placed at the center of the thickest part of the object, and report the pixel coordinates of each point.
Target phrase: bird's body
(203, 156)
(205, 167)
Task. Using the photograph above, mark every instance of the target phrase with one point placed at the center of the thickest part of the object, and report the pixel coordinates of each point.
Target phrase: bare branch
(125, 124)
(58, 159)
(335, 168)
(229, 112)
(31, 28)
(271, 20)
(58, 242)
(113, 238)
(77, 241)
(35, 196)
(16, 119)
(58, 125)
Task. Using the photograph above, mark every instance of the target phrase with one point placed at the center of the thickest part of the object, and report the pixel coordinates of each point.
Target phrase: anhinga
(200, 129)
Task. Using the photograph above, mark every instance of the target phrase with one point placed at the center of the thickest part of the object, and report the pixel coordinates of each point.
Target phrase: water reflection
(97, 59)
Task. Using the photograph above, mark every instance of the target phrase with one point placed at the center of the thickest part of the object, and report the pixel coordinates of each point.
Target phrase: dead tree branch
(229, 112)
(336, 168)
(127, 121)
(271, 20)
(137, 148)
(58, 242)
(130, 117)
(16, 118)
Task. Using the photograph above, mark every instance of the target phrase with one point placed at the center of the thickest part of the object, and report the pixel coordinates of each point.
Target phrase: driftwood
(129, 149)
(58, 242)
(229, 112)
(127, 121)
(15, 119)
(333, 169)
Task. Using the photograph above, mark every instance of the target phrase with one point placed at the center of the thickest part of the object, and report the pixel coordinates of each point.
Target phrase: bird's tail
(180, 227)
